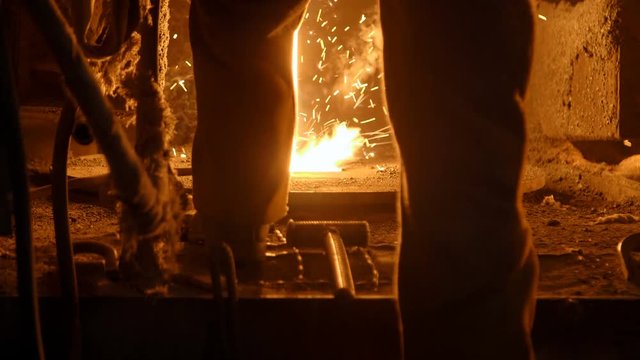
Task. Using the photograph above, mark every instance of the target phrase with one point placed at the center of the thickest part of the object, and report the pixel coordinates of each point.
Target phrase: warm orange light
(327, 153)
(340, 78)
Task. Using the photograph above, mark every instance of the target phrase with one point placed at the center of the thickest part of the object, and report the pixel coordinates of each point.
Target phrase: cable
(222, 265)
(27, 292)
(64, 250)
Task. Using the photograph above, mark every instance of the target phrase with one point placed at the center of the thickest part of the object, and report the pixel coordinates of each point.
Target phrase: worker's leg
(455, 73)
(242, 52)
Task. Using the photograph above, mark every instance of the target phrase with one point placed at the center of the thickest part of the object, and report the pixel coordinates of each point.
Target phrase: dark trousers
(242, 55)
(455, 73)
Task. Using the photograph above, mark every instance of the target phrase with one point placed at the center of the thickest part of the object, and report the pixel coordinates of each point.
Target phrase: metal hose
(12, 137)
(224, 343)
(64, 250)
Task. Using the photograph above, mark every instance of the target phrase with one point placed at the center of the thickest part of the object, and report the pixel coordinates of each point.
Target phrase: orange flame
(347, 70)
(327, 153)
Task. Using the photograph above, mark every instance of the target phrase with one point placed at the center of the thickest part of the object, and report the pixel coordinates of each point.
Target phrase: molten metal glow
(327, 153)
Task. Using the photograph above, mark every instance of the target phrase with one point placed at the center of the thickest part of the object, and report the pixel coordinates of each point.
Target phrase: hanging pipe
(12, 137)
(64, 250)
(222, 265)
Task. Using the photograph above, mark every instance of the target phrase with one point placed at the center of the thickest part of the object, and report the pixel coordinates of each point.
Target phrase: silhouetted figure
(455, 74)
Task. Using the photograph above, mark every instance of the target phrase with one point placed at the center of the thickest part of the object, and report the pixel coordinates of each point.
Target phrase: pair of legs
(242, 55)
(455, 73)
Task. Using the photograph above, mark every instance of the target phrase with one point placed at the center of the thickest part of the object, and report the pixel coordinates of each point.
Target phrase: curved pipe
(627, 246)
(59, 197)
(12, 136)
(64, 247)
(106, 251)
(64, 251)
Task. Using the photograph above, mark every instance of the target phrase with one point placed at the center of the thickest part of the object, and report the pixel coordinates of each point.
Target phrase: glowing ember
(326, 154)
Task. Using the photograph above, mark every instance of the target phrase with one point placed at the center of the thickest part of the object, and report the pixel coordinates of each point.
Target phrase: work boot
(248, 244)
(242, 53)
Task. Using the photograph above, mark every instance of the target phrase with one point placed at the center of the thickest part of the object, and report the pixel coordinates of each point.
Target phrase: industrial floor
(586, 309)
(577, 254)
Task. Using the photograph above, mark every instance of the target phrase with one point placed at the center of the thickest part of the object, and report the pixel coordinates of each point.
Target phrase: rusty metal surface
(577, 79)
